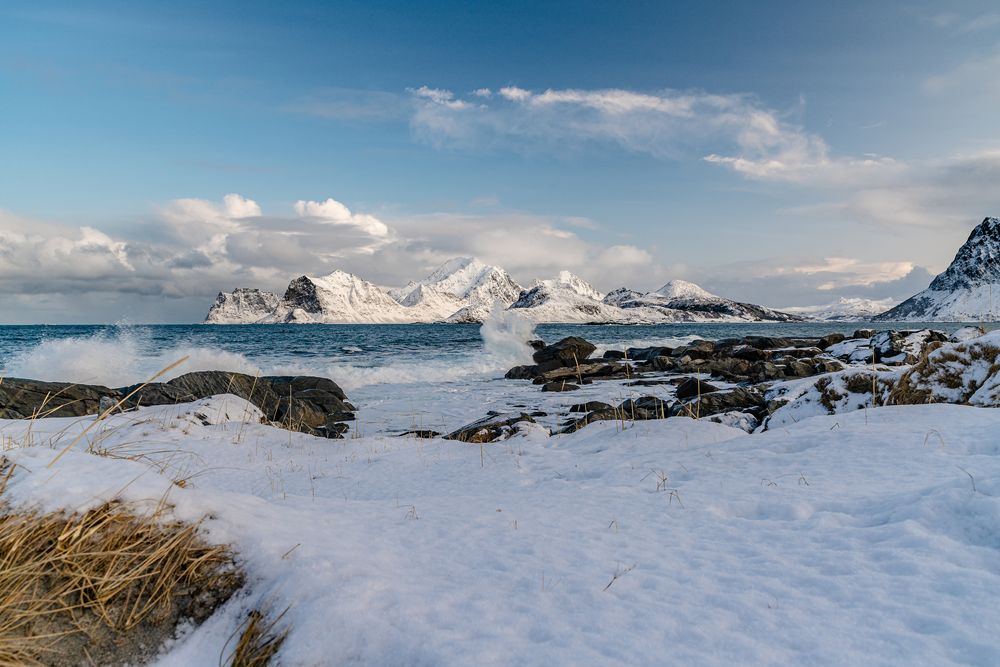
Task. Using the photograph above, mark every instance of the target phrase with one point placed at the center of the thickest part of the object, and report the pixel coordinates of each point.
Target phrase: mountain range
(466, 289)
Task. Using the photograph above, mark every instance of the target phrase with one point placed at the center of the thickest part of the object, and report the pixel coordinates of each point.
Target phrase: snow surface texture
(965, 291)
(466, 290)
(866, 538)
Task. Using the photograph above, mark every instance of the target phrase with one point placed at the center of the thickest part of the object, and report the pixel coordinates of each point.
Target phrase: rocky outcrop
(965, 291)
(306, 404)
(966, 372)
(241, 306)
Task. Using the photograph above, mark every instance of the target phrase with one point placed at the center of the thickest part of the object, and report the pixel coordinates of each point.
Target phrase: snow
(465, 289)
(861, 538)
(682, 289)
(845, 309)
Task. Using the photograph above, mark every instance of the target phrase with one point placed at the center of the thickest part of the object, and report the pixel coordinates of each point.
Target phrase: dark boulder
(644, 407)
(697, 349)
(647, 353)
(740, 399)
(693, 387)
(830, 339)
(589, 406)
(569, 351)
(614, 355)
(27, 399)
(560, 386)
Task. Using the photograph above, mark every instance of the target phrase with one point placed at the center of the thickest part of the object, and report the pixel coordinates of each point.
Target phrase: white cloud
(333, 212)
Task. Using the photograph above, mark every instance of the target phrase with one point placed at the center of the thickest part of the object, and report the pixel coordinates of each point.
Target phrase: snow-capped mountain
(569, 281)
(465, 290)
(473, 288)
(339, 298)
(683, 301)
(845, 309)
(241, 306)
(968, 290)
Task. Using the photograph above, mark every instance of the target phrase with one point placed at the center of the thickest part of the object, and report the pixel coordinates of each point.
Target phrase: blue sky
(785, 153)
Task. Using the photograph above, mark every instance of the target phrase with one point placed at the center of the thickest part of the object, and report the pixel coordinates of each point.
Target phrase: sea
(399, 376)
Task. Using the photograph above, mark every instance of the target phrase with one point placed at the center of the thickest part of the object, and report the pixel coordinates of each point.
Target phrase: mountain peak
(682, 289)
(964, 292)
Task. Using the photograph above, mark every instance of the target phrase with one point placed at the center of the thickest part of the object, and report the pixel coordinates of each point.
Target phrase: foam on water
(117, 359)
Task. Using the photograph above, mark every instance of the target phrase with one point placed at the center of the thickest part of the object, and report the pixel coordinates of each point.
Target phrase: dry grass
(259, 639)
(106, 586)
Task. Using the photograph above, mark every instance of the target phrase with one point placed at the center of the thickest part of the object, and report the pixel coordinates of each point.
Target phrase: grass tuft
(105, 586)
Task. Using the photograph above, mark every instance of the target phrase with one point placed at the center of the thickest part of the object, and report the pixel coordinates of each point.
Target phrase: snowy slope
(854, 539)
(683, 301)
(474, 286)
(341, 297)
(241, 306)
(968, 290)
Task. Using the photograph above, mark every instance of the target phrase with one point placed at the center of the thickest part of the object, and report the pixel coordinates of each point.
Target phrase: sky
(782, 153)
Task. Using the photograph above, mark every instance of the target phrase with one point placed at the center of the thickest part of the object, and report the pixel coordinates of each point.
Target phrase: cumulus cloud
(333, 212)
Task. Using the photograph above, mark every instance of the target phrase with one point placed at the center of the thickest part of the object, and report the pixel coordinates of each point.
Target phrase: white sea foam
(505, 337)
(117, 359)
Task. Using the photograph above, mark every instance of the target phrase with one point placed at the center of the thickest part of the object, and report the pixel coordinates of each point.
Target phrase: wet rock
(614, 355)
(766, 342)
(647, 353)
(589, 406)
(491, 428)
(523, 372)
(580, 373)
(697, 349)
(559, 386)
(567, 352)
(693, 387)
(536, 344)
(740, 399)
(26, 399)
(863, 333)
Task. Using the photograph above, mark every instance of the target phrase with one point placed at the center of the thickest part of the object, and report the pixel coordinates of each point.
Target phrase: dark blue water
(117, 355)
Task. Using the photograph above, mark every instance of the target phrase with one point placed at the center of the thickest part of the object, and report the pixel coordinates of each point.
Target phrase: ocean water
(399, 376)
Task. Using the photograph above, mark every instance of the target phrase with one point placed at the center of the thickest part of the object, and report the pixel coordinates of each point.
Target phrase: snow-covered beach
(866, 536)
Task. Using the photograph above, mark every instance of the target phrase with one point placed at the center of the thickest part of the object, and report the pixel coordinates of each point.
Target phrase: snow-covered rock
(965, 291)
(241, 306)
(965, 372)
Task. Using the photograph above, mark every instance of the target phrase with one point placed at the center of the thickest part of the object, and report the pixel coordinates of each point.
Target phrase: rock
(748, 353)
(644, 407)
(693, 387)
(559, 386)
(798, 368)
(823, 365)
(800, 352)
(614, 355)
(202, 384)
(903, 347)
(581, 372)
(310, 404)
(740, 399)
(663, 364)
(589, 406)
(523, 372)
(741, 420)
(491, 428)
(696, 349)
(764, 371)
(536, 344)
(569, 351)
(26, 399)
(647, 353)
(420, 433)
(863, 333)
(766, 342)
(648, 383)
(830, 339)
